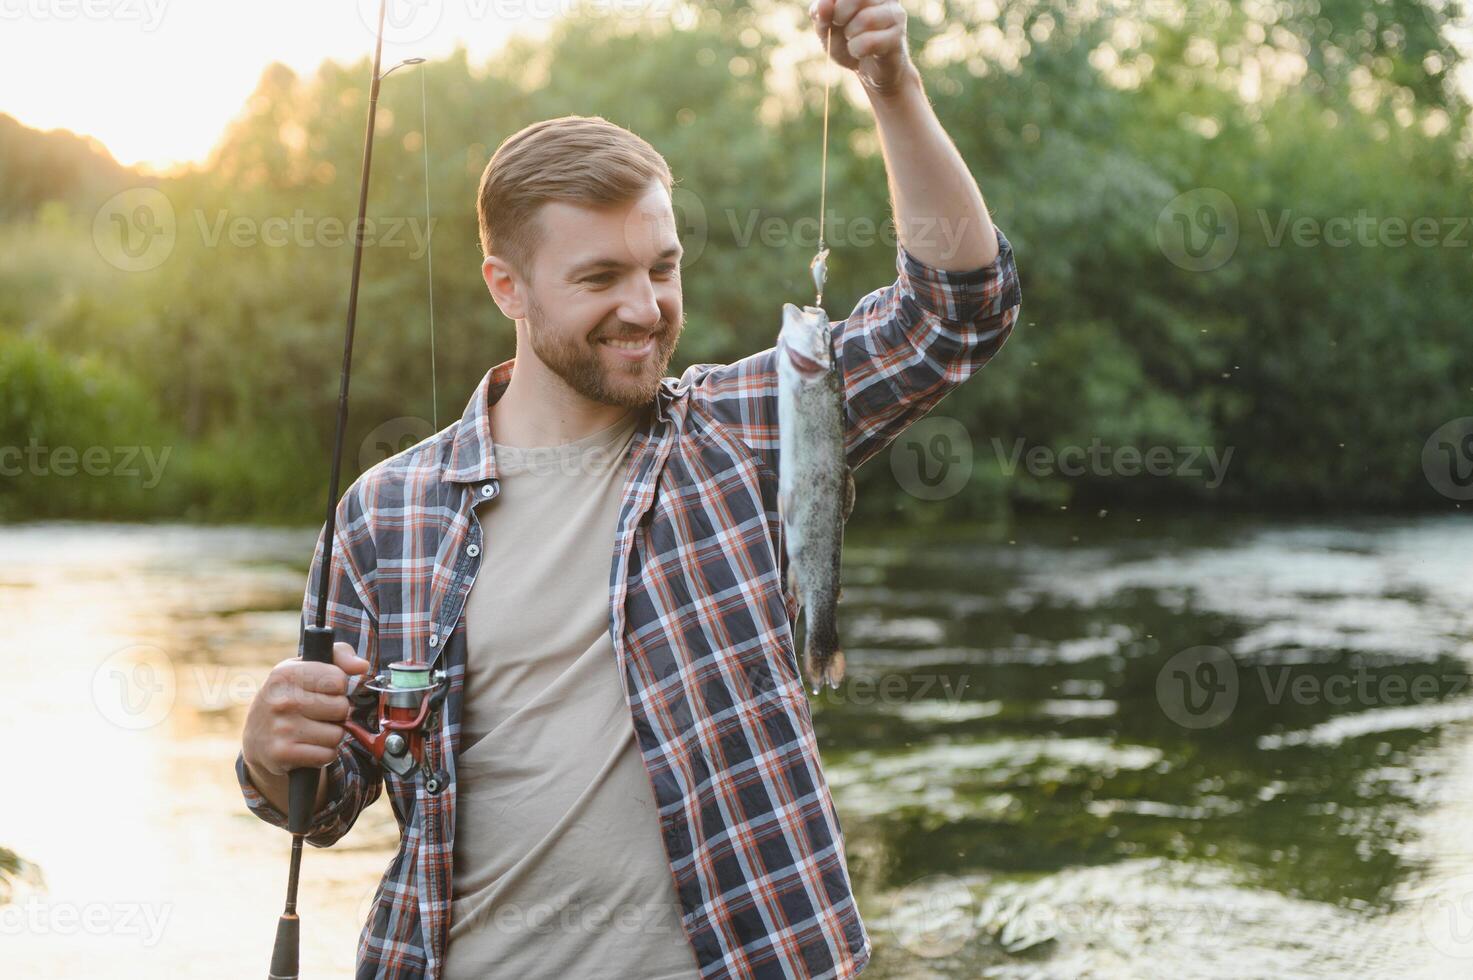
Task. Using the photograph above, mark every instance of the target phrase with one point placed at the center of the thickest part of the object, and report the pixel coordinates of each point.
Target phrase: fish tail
(823, 661)
(835, 672)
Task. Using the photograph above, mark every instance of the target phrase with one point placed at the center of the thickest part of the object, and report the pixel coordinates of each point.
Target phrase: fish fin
(848, 504)
(811, 677)
(792, 583)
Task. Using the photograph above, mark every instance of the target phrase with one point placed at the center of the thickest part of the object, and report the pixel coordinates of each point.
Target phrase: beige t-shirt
(559, 868)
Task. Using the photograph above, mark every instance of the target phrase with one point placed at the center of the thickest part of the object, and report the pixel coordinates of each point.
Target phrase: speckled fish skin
(813, 482)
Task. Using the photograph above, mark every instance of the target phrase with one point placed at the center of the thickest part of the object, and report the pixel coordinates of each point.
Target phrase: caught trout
(815, 488)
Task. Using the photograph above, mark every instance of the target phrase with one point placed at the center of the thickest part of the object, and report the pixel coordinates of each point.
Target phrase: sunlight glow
(157, 81)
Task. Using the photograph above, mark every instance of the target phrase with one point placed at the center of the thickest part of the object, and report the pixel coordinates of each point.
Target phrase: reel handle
(316, 648)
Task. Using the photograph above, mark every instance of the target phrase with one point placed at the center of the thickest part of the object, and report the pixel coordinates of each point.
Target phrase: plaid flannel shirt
(701, 627)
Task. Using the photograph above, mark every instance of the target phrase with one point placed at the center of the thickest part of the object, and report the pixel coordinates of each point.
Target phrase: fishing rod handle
(316, 648)
(286, 954)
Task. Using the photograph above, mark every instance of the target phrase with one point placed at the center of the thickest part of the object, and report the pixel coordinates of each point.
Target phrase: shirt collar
(473, 454)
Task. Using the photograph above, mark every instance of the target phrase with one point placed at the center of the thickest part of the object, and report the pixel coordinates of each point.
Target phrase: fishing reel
(408, 697)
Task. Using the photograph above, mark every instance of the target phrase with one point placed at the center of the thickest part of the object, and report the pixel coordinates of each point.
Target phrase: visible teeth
(627, 344)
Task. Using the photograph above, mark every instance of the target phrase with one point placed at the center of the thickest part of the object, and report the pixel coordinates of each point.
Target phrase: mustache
(663, 329)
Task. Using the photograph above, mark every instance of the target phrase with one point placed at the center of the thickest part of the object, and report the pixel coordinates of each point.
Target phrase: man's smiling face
(603, 307)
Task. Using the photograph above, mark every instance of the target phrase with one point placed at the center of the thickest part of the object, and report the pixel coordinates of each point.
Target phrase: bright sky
(158, 80)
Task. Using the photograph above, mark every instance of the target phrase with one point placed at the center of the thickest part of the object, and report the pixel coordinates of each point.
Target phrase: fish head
(806, 341)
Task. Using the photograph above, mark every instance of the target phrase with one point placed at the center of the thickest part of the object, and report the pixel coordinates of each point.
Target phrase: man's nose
(640, 305)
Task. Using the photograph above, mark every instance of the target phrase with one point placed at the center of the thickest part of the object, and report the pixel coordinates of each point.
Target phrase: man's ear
(505, 286)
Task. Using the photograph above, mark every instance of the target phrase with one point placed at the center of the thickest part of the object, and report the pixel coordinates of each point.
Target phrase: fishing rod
(400, 724)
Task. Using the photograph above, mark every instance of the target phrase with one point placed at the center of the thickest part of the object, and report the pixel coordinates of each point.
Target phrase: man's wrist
(264, 781)
(907, 85)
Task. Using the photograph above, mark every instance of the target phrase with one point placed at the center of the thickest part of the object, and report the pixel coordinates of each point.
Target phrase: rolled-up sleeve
(901, 350)
(354, 778)
(907, 346)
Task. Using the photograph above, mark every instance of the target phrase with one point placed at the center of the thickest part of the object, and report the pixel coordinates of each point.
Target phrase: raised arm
(939, 214)
(956, 297)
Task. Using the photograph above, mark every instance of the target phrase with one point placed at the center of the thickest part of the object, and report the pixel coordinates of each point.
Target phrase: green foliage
(1323, 368)
(68, 426)
(36, 167)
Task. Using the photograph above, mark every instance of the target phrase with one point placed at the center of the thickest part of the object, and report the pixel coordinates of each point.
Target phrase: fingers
(323, 707)
(305, 757)
(842, 12)
(874, 19)
(297, 718)
(347, 661)
(303, 676)
(301, 742)
(321, 734)
(876, 42)
(866, 27)
(318, 678)
(299, 731)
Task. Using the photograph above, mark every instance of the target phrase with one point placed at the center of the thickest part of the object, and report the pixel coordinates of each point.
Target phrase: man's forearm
(939, 213)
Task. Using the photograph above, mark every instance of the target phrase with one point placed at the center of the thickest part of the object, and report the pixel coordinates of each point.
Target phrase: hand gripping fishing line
(409, 695)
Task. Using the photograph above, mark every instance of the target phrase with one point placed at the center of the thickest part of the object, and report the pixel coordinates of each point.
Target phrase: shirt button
(434, 641)
(473, 550)
(486, 490)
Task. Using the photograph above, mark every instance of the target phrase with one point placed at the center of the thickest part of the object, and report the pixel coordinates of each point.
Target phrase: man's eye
(667, 270)
(600, 278)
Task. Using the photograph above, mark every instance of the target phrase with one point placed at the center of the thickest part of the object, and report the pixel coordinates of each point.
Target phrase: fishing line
(819, 266)
(424, 127)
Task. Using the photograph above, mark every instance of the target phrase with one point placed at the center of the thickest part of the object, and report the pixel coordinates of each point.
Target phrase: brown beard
(583, 369)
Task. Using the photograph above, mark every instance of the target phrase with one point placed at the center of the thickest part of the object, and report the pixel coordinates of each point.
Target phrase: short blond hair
(578, 159)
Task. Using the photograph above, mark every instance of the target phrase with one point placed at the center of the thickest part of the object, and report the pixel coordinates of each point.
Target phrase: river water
(1111, 748)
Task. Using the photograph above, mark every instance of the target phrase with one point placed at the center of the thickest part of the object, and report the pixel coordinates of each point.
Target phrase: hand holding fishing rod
(298, 721)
